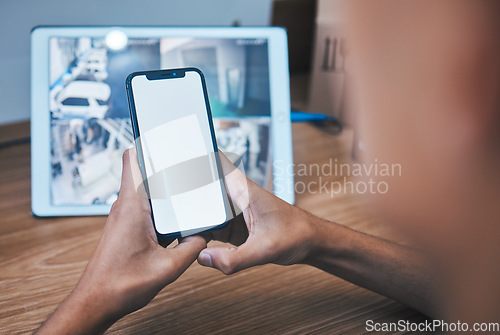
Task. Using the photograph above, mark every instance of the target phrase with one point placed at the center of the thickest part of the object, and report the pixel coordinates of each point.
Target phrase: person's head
(428, 77)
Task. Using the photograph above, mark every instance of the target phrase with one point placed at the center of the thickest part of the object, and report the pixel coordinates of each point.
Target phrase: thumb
(230, 259)
(179, 258)
(187, 247)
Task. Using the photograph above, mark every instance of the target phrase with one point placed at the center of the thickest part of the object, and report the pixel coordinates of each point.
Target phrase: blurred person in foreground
(428, 78)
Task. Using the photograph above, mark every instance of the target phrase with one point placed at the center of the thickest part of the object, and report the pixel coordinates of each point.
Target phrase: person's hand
(128, 267)
(268, 230)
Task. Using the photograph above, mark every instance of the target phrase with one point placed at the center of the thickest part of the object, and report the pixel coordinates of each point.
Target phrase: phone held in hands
(177, 151)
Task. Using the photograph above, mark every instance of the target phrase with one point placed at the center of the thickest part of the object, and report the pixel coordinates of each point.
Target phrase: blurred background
(17, 18)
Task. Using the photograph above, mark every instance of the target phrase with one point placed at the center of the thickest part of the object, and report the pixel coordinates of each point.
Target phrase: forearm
(395, 271)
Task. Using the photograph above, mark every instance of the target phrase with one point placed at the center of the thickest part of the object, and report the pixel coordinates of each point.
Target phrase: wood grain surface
(42, 259)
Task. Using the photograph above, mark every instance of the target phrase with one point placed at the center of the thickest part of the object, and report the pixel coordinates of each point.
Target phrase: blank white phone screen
(186, 190)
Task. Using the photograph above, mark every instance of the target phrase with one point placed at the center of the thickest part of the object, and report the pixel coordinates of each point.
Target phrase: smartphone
(177, 151)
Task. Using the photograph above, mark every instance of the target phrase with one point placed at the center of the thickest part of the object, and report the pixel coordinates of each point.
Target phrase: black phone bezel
(174, 74)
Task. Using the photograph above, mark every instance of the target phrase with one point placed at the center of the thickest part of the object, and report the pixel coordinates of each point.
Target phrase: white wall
(17, 17)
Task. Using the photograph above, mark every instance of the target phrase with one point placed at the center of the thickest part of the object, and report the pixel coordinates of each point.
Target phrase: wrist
(97, 306)
(329, 239)
(79, 313)
(103, 298)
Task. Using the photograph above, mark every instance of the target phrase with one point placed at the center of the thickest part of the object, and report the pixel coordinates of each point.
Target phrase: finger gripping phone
(177, 151)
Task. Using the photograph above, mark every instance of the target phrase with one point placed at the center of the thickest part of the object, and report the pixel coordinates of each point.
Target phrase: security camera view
(90, 121)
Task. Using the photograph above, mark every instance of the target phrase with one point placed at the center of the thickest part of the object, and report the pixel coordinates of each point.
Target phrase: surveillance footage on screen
(90, 123)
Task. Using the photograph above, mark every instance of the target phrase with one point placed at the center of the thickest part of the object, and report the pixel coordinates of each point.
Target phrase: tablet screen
(90, 122)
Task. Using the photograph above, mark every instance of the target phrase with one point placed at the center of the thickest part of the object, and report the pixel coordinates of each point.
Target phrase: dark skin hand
(128, 268)
(258, 229)
(269, 230)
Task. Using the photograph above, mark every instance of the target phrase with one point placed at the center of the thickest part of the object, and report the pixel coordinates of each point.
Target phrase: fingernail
(205, 259)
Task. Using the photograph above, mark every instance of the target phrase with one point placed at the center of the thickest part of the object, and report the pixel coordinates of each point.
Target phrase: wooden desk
(42, 259)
